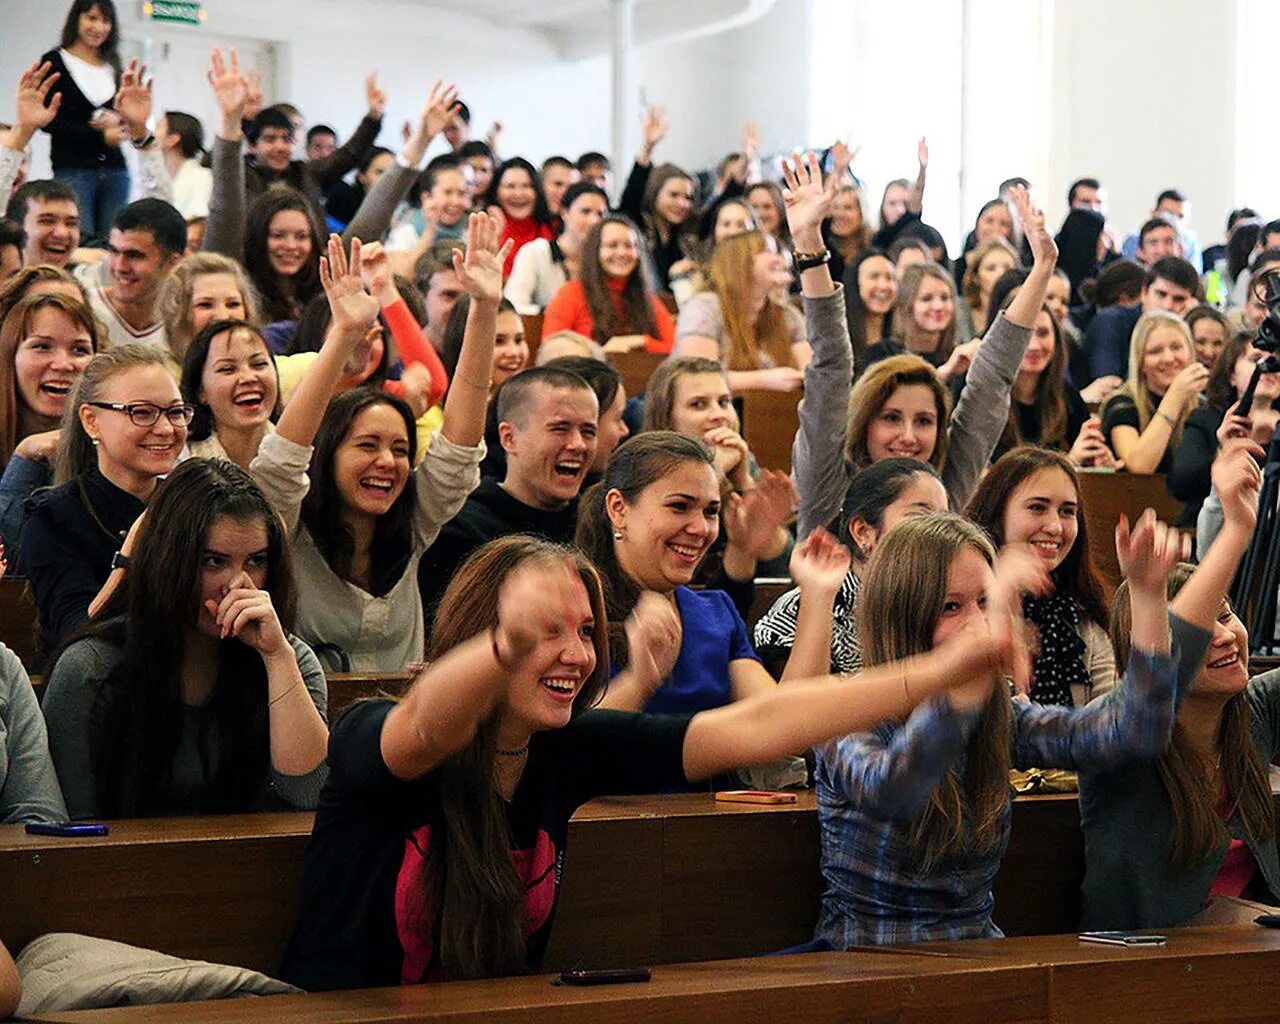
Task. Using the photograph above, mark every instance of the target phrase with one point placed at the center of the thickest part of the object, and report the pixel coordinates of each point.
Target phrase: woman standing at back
(86, 134)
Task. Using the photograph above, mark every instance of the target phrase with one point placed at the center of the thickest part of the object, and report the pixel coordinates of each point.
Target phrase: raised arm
(819, 468)
(225, 230)
(328, 170)
(653, 645)
(915, 198)
(411, 341)
(480, 273)
(373, 218)
(133, 103)
(355, 312)
(655, 130)
(819, 565)
(455, 694)
(34, 111)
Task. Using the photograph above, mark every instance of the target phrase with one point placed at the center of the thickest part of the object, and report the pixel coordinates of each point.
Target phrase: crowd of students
(263, 423)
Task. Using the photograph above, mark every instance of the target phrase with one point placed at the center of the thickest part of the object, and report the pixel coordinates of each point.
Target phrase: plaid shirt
(871, 786)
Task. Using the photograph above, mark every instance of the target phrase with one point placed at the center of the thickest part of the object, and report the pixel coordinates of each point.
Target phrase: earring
(617, 535)
(95, 441)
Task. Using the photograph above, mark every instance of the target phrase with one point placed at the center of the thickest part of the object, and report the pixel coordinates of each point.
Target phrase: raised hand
(808, 200)
(415, 385)
(246, 613)
(375, 272)
(1148, 552)
(1237, 480)
(256, 101)
(354, 309)
(230, 87)
(133, 101)
(1043, 248)
(752, 521)
(819, 564)
(1018, 572)
(34, 109)
(842, 159)
(922, 153)
(480, 270)
(442, 104)
(376, 98)
(493, 137)
(541, 597)
(655, 130)
(654, 635)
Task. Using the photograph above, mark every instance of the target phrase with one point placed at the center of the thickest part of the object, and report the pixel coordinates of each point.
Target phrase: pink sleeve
(415, 348)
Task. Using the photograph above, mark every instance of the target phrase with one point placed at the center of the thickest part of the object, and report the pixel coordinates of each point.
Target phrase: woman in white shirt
(541, 267)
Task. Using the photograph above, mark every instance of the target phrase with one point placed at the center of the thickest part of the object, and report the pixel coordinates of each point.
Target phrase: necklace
(512, 753)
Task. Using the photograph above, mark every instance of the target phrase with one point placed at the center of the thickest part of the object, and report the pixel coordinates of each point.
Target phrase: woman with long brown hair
(438, 845)
(612, 297)
(743, 319)
(1204, 810)
(915, 814)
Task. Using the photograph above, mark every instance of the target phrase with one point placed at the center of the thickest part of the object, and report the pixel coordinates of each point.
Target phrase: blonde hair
(175, 300)
(1135, 387)
(903, 319)
(75, 448)
(969, 286)
(875, 387)
(748, 336)
(904, 589)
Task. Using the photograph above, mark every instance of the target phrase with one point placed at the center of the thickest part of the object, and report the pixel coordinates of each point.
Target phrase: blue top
(714, 636)
(1106, 342)
(873, 785)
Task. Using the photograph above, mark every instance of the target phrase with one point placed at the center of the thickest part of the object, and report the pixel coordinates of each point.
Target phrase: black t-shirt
(1122, 411)
(364, 920)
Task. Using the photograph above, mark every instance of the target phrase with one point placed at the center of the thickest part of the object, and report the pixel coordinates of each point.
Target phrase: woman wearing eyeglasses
(123, 430)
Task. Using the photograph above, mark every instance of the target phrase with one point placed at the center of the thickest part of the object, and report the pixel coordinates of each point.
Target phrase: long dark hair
(476, 896)
(282, 298)
(637, 296)
(455, 331)
(874, 489)
(202, 423)
(1199, 830)
(636, 465)
(1220, 392)
(136, 721)
(654, 223)
(314, 325)
(322, 507)
(1076, 576)
(109, 50)
(541, 212)
(856, 310)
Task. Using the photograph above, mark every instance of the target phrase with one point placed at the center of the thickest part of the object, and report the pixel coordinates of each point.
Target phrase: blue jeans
(99, 194)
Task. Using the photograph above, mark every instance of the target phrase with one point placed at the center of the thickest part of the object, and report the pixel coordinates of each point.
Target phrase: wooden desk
(345, 688)
(1105, 494)
(1202, 975)
(19, 622)
(635, 368)
(770, 420)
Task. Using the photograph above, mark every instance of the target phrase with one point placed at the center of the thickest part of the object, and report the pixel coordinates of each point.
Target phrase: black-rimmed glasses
(145, 414)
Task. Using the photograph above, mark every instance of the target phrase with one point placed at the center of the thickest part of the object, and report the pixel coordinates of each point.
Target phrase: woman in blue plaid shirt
(915, 814)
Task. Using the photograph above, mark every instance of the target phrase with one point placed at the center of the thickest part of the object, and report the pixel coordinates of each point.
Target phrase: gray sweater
(68, 706)
(819, 467)
(28, 786)
(1128, 824)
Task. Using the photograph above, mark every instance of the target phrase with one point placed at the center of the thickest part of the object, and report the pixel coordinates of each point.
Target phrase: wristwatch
(119, 560)
(809, 260)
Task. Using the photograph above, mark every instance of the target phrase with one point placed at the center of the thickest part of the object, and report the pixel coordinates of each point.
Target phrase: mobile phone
(1268, 920)
(754, 796)
(66, 829)
(1122, 939)
(619, 976)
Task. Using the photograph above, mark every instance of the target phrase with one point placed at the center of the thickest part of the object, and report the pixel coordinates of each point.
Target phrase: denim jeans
(99, 194)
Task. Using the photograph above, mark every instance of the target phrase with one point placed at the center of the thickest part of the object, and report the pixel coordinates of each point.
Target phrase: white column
(624, 119)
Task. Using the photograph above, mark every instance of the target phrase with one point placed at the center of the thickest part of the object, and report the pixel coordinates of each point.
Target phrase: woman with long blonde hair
(743, 319)
(1143, 420)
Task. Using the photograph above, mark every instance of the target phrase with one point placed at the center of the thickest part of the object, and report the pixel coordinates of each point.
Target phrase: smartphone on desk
(1122, 939)
(754, 796)
(66, 829)
(618, 976)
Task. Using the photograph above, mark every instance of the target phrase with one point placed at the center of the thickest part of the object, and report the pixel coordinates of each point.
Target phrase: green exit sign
(181, 11)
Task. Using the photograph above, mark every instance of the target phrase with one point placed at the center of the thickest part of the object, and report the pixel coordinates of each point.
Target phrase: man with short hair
(1156, 240)
(596, 168)
(557, 175)
(547, 423)
(1085, 194)
(1172, 206)
(436, 280)
(147, 239)
(1171, 285)
(46, 211)
(322, 142)
(458, 131)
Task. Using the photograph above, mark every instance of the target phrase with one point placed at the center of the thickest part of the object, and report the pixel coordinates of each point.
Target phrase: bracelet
(276, 700)
(1166, 417)
(906, 690)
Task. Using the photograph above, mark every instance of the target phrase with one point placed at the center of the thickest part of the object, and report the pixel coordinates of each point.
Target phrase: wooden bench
(647, 880)
(1201, 975)
(1105, 494)
(770, 420)
(635, 367)
(19, 622)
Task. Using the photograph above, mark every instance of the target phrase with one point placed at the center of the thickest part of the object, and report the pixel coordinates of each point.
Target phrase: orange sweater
(568, 311)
